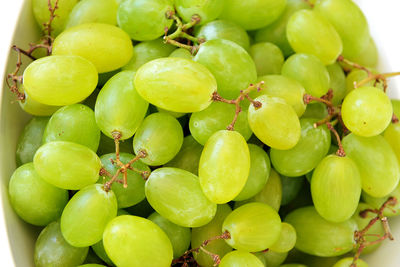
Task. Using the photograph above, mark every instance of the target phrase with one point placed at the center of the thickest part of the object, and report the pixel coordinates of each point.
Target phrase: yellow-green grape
(224, 166)
(367, 153)
(392, 136)
(315, 234)
(271, 258)
(240, 258)
(106, 46)
(173, 114)
(396, 107)
(291, 187)
(310, 33)
(286, 240)
(45, 80)
(210, 230)
(347, 262)
(87, 214)
(267, 57)
(67, 165)
(132, 241)
(35, 108)
(181, 53)
(160, 83)
(207, 10)
(275, 123)
(247, 227)
(378, 202)
(98, 249)
(42, 14)
(176, 195)
(341, 176)
(356, 76)
(337, 82)
(315, 110)
(368, 57)
(367, 111)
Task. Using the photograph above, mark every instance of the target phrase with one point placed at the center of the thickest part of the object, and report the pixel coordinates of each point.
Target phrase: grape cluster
(203, 133)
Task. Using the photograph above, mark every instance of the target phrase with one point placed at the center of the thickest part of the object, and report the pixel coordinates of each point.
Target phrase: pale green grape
(131, 241)
(45, 80)
(188, 157)
(119, 107)
(35, 108)
(51, 249)
(224, 166)
(217, 116)
(318, 237)
(87, 214)
(315, 110)
(271, 258)
(176, 195)
(308, 32)
(346, 262)
(246, 226)
(240, 258)
(181, 53)
(106, 46)
(176, 84)
(210, 230)
(367, 111)
(275, 123)
(173, 114)
(309, 71)
(86, 11)
(147, 51)
(356, 76)
(74, 123)
(99, 250)
(312, 147)
(67, 165)
(392, 136)
(207, 10)
(378, 202)
(267, 57)
(34, 200)
(253, 14)
(179, 236)
(134, 193)
(396, 107)
(341, 176)
(231, 65)
(30, 140)
(260, 167)
(144, 20)
(291, 187)
(337, 82)
(161, 136)
(368, 57)
(286, 240)
(224, 29)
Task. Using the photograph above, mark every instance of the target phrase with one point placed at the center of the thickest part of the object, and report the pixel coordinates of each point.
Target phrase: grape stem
(359, 236)
(340, 152)
(377, 77)
(395, 119)
(309, 3)
(353, 64)
(243, 94)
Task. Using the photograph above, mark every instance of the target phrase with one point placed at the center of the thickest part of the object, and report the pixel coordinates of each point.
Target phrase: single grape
(267, 57)
(337, 83)
(35, 108)
(396, 107)
(368, 57)
(172, 113)
(142, 209)
(271, 258)
(378, 202)
(346, 262)
(286, 240)
(206, 10)
(181, 53)
(392, 136)
(98, 248)
(291, 187)
(240, 258)
(315, 110)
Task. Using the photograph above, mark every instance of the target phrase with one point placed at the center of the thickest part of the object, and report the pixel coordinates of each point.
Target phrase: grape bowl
(179, 186)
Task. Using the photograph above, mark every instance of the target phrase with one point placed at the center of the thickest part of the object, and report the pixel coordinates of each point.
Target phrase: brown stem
(394, 118)
(377, 77)
(353, 64)
(309, 3)
(309, 98)
(340, 152)
(326, 119)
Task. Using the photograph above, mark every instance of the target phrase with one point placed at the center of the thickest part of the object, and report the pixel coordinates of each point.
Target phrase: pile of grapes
(204, 133)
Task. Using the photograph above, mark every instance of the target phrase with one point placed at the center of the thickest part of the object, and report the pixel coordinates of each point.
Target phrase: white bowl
(17, 238)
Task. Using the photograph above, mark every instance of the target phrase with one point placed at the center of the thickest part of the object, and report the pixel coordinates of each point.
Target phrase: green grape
(253, 14)
(378, 202)
(35, 108)
(240, 258)
(67, 165)
(246, 226)
(152, 135)
(42, 14)
(318, 237)
(173, 114)
(260, 167)
(30, 140)
(160, 82)
(207, 10)
(45, 80)
(144, 20)
(98, 248)
(134, 193)
(356, 76)
(74, 123)
(217, 116)
(275, 123)
(87, 11)
(224, 29)
(308, 32)
(337, 82)
(276, 32)
(368, 57)
(291, 187)
(231, 65)
(87, 214)
(346, 262)
(341, 176)
(293, 265)
(267, 57)
(349, 22)
(367, 111)
(51, 249)
(367, 153)
(208, 231)
(286, 240)
(224, 166)
(396, 107)
(189, 207)
(93, 259)
(106, 46)
(179, 236)
(147, 51)
(312, 147)
(271, 258)
(188, 157)
(392, 136)
(315, 110)
(107, 145)
(309, 71)
(142, 209)
(34, 200)
(181, 53)
(119, 107)
(91, 265)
